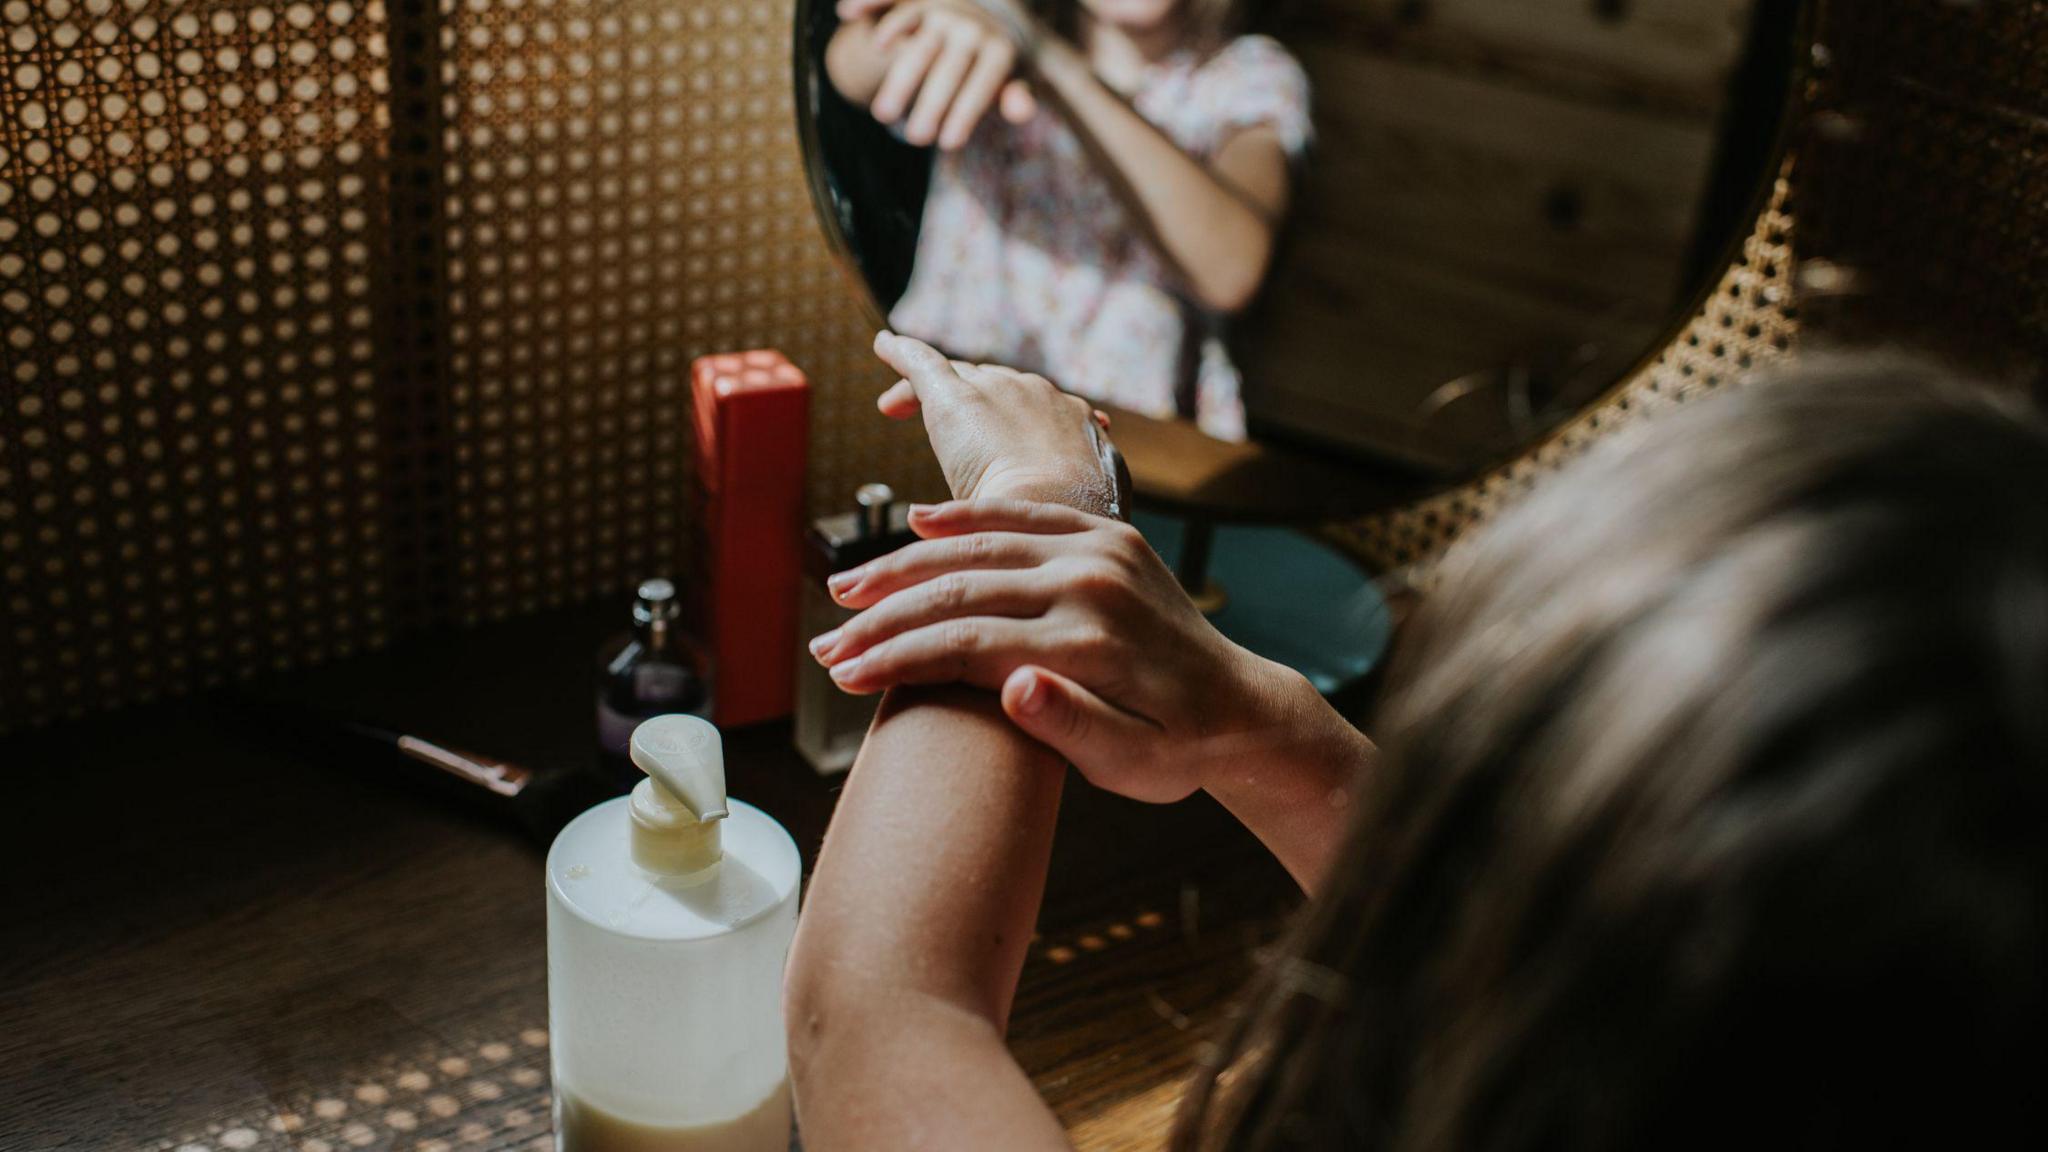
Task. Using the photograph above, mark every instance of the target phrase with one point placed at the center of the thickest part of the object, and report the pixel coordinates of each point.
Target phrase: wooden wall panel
(1494, 184)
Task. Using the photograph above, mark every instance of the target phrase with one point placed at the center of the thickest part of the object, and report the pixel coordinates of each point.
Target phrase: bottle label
(654, 683)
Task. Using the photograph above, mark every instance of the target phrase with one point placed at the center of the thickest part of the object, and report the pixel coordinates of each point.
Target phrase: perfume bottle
(670, 914)
(830, 724)
(653, 670)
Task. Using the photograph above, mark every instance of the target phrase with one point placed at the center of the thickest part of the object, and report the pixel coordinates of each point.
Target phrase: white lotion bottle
(670, 915)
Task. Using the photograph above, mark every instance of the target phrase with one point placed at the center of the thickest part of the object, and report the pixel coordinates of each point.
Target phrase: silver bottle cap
(875, 501)
(655, 601)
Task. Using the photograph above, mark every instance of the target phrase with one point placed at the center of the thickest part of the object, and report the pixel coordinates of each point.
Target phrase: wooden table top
(218, 942)
(1177, 468)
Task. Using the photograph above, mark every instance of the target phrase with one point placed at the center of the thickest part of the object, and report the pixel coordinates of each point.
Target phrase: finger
(1102, 419)
(923, 560)
(1001, 376)
(905, 75)
(897, 25)
(899, 402)
(1019, 104)
(851, 10)
(1093, 734)
(1012, 593)
(977, 650)
(956, 517)
(928, 373)
(941, 85)
(977, 93)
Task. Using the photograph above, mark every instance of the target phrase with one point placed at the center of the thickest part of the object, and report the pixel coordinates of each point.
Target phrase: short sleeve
(1254, 82)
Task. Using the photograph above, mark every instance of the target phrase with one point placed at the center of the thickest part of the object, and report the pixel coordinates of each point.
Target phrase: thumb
(899, 402)
(1097, 737)
(1018, 103)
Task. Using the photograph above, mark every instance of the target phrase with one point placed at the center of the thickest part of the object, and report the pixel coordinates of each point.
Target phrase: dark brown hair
(1711, 809)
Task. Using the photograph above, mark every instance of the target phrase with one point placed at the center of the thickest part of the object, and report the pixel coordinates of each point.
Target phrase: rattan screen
(327, 320)
(191, 238)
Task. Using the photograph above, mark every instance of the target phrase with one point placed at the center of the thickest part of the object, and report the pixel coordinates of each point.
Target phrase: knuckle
(961, 638)
(949, 592)
(975, 548)
(1092, 641)
(1127, 544)
(1099, 582)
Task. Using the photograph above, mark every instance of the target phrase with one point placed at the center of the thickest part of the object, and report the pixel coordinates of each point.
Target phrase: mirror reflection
(1420, 232)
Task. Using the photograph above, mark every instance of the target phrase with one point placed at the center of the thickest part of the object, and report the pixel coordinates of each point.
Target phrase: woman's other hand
(949, 63)
(1096, 650)
(999, 432)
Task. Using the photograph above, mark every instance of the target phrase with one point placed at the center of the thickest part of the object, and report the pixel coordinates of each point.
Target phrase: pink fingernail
(841, 673)
(840, 583)
(1032, 698)
(824, 643)
(921, 511)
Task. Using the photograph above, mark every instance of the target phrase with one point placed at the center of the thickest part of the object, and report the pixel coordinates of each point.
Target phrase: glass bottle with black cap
(830, 724)
(652, 670)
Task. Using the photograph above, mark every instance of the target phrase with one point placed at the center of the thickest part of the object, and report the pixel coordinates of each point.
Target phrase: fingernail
(824, 643)
(921, 511)
(1032, 700)
(840, 583)
(841, 673)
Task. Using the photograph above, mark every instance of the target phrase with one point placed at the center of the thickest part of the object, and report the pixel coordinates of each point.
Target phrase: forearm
(1293, 789)
(1218, 239)
(915, 928)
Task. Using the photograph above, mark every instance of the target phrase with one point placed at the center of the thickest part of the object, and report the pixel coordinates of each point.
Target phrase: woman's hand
(1095, 648)
(999, 432)
(949, 63)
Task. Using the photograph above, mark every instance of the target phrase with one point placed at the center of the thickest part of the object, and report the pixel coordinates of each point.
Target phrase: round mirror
(1415, 234)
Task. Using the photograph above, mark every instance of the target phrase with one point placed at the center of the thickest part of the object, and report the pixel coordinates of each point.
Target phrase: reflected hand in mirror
(936, 66)
(1102, 228)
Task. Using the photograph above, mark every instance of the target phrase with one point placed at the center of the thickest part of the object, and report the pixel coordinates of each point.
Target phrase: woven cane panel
(624, 193)
(1750, 319)
(189, 245)
(324, 321)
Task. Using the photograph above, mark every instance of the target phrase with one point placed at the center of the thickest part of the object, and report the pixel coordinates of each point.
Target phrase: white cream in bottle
(670, 914)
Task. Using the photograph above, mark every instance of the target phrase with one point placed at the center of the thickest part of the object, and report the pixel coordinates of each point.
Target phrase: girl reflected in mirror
(1110, 178)
(1707, 809)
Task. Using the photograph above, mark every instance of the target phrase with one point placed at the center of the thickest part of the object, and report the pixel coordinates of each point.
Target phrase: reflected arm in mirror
(938, 67)
(1215, 222)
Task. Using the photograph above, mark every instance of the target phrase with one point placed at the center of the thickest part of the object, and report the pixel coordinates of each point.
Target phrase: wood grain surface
(1495, 185)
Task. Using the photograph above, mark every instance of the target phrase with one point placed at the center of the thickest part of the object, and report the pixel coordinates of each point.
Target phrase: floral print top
(1026, 256)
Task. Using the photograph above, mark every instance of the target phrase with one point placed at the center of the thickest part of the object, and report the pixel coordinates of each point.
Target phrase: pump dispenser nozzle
(676, 811)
